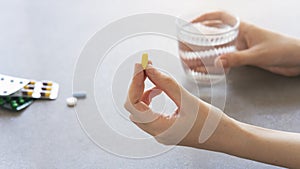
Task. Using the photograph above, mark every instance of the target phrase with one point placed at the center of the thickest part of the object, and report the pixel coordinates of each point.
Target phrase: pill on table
(71, 101)
(144, 60)
(80, 94)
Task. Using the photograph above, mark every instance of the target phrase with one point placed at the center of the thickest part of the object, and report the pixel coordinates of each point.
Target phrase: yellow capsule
(46, 88)
(47, 83)
(28, 87)
(32, 82)
(27, 92)
(144, 60)
(45, 94)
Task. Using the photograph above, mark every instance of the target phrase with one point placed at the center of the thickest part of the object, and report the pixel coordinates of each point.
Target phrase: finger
(234, 59)
(241, 42)
(137, 85)
(150, 94)
(209, 16)
(136, 91)
(217, 15)
(140, 112)
(209, 69)
(156, 127)
(165, 83)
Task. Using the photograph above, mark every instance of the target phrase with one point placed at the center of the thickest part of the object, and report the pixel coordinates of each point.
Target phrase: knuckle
(235, 59)
(126, 106)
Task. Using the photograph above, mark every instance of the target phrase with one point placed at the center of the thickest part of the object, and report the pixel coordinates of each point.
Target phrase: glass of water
(201, 39)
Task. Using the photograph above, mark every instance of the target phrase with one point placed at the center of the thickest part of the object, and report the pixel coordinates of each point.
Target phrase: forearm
(269, 146)
(256, 143)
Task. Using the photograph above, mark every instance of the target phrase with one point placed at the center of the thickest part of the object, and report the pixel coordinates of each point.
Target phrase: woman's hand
(195, 123)
(262, 48)
(200, 125)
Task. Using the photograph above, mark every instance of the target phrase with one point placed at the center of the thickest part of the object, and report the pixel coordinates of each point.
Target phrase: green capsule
(8, 99)
(14, 105)
(21, 100)
(2, 101)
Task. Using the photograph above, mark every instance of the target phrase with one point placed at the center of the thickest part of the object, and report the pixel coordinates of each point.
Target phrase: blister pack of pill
(15, 103)
(39, 90)
(18, 87)
(10, 85)
(18, 93)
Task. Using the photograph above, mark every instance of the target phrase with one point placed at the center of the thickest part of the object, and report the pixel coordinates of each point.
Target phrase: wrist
(297, 52)
(225, 137)
(292, 51)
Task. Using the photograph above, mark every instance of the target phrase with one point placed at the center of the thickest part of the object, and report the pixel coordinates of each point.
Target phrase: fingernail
(155, 92)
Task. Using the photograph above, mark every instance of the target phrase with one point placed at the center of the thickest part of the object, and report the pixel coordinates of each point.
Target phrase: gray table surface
(42, 39)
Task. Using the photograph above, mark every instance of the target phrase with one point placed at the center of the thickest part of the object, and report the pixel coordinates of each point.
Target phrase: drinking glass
(201, 39)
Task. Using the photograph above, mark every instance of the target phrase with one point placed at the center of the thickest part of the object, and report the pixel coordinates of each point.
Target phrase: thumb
(234, 59)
